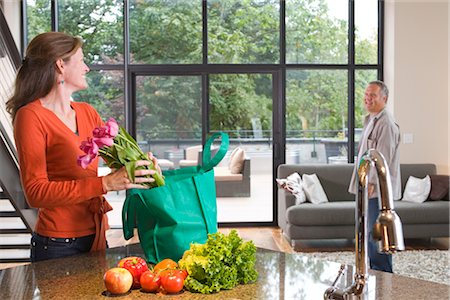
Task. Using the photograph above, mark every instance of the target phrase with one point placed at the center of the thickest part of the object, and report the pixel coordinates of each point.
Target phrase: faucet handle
(333, 292)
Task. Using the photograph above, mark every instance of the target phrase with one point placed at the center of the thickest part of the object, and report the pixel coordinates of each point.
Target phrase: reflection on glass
(366, 31)
(270, 265)
(316, 31)
(105, 93)
(166, 32)
(168, 116)
(243, 31)
(316, 116)
(99, 24)
(38, 17)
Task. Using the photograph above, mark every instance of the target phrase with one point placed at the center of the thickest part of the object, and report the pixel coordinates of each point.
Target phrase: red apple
(118, 280)
(136, 265)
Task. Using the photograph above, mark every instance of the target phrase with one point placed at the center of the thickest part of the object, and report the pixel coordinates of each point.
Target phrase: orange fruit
(165, 264)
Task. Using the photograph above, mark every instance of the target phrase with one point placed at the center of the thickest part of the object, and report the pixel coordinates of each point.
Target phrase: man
(380, 132)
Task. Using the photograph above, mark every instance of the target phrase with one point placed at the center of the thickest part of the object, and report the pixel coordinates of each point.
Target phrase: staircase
(17, 219)
(15, 233)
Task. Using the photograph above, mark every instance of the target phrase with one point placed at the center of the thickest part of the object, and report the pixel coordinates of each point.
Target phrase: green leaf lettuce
(223, 262)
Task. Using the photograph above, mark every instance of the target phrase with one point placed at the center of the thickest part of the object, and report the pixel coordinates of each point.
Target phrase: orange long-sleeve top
(64, 193)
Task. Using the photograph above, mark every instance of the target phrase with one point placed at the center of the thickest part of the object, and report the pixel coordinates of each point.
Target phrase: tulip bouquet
(118, 149)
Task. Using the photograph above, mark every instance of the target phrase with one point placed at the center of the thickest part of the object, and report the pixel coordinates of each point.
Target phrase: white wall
(417, 72)
(11, 9)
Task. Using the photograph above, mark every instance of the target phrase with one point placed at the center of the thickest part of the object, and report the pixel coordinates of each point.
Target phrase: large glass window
(173, 71)
(99, 23)
(168, 117)
(166, 32)
(316, 31)
(38, 17)
(241, 32)
(366, 31)
(316, 115)
(105, 93)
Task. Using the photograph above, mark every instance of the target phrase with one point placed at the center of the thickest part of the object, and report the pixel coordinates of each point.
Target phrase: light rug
(431, 265)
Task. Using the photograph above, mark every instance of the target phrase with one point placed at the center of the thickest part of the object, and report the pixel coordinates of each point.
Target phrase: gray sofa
(336, 219)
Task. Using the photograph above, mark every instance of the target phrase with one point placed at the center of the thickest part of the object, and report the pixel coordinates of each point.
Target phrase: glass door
(241, 105)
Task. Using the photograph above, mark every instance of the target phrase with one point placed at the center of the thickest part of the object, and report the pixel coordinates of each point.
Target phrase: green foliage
(99, 23)
(39, 18)
(222, 263)
(163, 31)
(243, 31)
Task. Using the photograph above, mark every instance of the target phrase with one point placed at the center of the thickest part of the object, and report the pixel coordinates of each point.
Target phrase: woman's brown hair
(37, 75)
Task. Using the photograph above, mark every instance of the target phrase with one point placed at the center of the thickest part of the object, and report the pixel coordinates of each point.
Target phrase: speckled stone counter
(281, 276)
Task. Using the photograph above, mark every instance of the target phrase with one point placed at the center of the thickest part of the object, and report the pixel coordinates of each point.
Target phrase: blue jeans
(378, 261)
(43, 248)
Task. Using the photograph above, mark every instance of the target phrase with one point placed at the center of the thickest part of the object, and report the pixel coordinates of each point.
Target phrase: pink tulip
(89, 147)
(100, 132)
(104, 141)
(112, 127)
(85, 160)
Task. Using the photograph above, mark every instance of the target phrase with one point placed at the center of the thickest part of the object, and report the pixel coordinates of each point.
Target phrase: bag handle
(128, 216)
(208, 162)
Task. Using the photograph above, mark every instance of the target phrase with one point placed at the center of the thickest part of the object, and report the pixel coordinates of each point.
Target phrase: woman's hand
(118, 179)
(155, 162)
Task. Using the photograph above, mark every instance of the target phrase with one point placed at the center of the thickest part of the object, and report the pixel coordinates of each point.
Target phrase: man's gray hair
(383, 87)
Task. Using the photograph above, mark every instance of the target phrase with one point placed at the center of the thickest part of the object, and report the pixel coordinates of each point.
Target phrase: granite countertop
(281, 276)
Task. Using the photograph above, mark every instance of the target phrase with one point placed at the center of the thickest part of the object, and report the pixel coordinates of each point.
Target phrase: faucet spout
(387, 230)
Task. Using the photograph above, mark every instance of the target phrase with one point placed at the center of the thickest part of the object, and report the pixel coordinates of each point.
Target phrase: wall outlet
(408, 138)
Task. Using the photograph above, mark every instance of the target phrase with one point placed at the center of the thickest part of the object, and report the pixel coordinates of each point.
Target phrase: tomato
(172, 281)
(150, 282)
(165, 264)
(182, 273)
(136, 265)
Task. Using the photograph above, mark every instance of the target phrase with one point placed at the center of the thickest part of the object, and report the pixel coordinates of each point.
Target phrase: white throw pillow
(417, 189)
(293, 184)
(313, 189)
(237, 161)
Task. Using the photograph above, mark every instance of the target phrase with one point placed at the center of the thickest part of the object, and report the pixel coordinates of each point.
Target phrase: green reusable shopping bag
(183, 211)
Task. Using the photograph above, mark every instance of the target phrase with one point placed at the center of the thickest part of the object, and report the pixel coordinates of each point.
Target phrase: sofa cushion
(416, 170)
(439, 187)
(330, 213)
(335, 179)
(294, 185)
(224, 174)
(417, 189)
(313, 189)
(429, 212)
(237, 161)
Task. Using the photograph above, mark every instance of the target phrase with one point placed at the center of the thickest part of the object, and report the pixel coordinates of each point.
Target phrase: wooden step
(15, 254)
(5, 205)
(12, 223)
(15, 239)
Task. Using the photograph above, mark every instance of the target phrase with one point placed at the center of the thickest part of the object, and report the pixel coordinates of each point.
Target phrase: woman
(48, 130)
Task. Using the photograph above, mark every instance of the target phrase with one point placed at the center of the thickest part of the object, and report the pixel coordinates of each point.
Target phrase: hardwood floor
(272, 238)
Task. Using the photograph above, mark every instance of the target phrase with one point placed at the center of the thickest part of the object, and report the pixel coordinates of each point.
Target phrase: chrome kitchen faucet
(387, 229)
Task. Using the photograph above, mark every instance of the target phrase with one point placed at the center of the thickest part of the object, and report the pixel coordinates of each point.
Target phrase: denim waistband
(63, 240)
